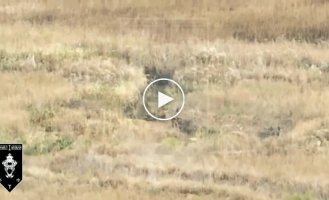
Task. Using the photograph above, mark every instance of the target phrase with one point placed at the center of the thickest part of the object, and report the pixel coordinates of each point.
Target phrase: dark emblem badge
(11, 171)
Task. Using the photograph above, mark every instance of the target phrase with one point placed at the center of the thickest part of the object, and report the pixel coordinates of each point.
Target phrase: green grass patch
(42, 116)
(49, 146)
(171, 142)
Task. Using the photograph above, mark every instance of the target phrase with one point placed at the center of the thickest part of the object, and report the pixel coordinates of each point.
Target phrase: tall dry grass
(71, 75)
(174, 20)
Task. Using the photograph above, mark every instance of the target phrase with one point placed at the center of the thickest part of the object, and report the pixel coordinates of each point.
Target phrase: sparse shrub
(13, 61)
(306, 62)
(41, 116)
(49, 146)
(49, 62)
(185, 125)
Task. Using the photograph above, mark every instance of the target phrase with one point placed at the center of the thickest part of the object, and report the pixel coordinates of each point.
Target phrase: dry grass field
(256, 77)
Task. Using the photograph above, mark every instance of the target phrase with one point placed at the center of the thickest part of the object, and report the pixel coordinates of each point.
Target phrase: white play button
(164, 105)
(163, 99)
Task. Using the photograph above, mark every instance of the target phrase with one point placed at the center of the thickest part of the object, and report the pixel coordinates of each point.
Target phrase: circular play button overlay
(163, 99)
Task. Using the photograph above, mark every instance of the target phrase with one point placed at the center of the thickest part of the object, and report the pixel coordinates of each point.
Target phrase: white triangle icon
(163, 99)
